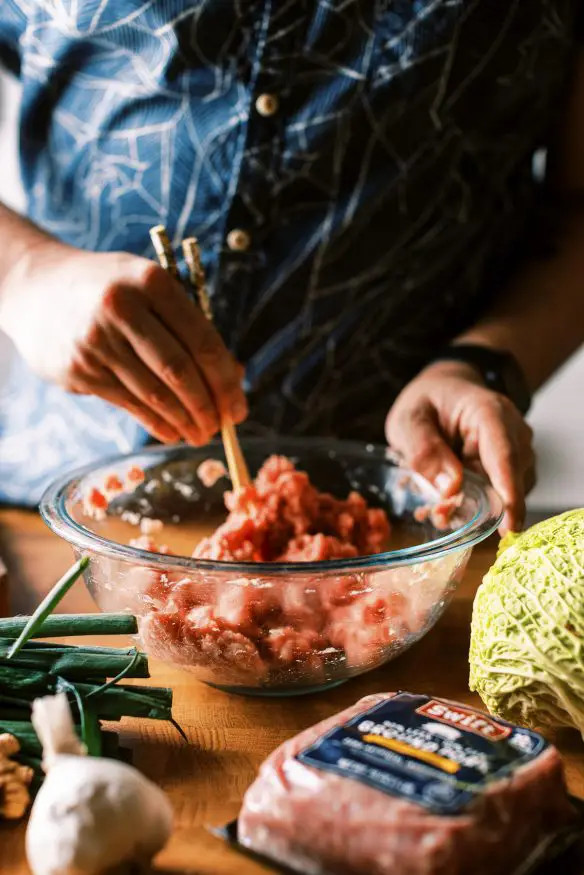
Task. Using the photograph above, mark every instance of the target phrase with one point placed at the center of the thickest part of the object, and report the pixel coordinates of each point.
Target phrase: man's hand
(117, 326)
(447, 414)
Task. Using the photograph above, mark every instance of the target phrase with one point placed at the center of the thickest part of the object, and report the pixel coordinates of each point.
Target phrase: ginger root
(14, 780)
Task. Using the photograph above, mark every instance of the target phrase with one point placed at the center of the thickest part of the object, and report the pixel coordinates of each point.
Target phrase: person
(360, 175)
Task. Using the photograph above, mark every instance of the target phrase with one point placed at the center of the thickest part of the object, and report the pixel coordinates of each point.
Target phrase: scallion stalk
(48, 604)
(79, 663)
(111, 703)
(90, 729)
(154, 703)
(89, 676)
(31, 761)
(128, 671)
(30, 745)
(71, 625)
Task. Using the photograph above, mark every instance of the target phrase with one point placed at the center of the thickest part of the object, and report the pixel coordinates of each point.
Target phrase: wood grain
(229, 736)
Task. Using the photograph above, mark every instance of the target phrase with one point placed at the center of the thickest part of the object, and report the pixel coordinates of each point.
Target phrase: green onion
(71, 625)
(6, 644)
(89, 676)
(179, 729)
(7, 713)
(36, 764)
(79, 663)
(129, 671)
(154, 703)
(28, 684)
(110, 704)
(48, 604)
(90, 730)
(35, 785)
(29, 760)
(31, 746)
(7, 702)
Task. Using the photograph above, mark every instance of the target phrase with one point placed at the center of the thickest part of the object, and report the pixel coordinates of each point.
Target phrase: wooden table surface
(228, 735)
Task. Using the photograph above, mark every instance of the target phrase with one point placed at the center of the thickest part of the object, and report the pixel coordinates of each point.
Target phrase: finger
(416, 435)
(526, 454)
(106, 386)
(199, 337)
(500, 456)
(151, 391)
(110, 353)
(220, 371)
(529, 475)
(166, 357)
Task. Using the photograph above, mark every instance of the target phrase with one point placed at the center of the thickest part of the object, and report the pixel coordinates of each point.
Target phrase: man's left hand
(446, 418)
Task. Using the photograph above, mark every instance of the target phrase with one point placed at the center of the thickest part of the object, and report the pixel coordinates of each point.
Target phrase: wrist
(445, 369)
(27, 282)
(34, 255)
(501, 337)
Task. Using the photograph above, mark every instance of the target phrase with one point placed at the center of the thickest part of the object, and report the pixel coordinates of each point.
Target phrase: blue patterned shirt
(376, 154)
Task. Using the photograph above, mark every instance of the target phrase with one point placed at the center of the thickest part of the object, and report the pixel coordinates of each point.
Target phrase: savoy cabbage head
(527, 633)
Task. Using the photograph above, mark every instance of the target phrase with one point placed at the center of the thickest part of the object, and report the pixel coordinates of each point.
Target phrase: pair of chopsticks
(235, 461)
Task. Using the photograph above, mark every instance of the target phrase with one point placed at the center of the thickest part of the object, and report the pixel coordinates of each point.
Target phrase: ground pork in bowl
(331, 563)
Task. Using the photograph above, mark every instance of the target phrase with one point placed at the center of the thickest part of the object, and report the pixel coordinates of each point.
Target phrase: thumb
(417, 436)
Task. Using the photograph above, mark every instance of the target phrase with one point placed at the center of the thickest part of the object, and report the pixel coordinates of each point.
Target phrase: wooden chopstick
(238, 470)
(235, 461)
(163, 249)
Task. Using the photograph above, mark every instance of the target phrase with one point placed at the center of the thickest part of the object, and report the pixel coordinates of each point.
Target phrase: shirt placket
(252, 211)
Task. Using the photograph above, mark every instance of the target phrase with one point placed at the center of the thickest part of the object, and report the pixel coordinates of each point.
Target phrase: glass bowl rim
(54, 513)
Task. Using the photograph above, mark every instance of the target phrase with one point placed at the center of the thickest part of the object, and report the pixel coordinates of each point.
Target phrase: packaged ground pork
(406, 784)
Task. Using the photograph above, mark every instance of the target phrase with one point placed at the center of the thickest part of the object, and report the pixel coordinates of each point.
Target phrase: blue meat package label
(432, 752)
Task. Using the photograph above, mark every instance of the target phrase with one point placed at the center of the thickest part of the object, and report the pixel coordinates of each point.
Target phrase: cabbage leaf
(527, 632)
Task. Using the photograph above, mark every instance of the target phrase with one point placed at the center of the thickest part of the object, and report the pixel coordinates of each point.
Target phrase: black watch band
(499, 370)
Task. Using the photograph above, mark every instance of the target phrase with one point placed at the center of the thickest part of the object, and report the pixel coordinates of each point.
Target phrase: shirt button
(238, 240)
(267, 104)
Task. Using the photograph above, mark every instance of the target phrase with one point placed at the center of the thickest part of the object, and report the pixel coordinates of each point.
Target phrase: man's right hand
(119, 327)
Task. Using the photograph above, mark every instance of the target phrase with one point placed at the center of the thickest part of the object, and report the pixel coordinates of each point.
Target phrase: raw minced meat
(210, 471)
(440, 513)
(300, 628)
(149, 526)
(96, 502)
(282, 517)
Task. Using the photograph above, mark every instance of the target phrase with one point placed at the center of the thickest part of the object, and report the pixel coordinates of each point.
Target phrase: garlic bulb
(91, 814)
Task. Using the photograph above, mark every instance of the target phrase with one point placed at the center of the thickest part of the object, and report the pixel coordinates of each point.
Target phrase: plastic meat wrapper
(468, 789)
(560, 854)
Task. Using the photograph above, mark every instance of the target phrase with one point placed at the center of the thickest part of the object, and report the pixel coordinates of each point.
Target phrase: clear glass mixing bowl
(321, 622)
